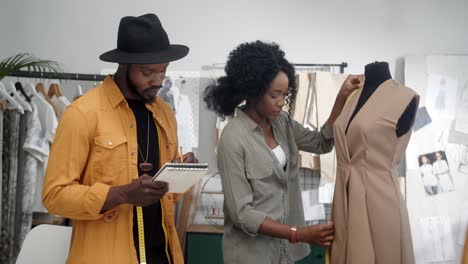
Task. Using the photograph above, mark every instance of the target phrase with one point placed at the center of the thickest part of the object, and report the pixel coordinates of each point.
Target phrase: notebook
(181, 176)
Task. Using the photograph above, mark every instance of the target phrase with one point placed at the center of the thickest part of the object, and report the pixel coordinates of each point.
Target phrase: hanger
(41, 90)
(79, 90)
(31, 91)
(19, 87)
(54, 89)
(10, 88)
(11, 103)
(2, 105)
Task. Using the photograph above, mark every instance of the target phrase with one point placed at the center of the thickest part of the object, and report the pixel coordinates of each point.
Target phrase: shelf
(204, 229)
(214, 217)
(208, 192)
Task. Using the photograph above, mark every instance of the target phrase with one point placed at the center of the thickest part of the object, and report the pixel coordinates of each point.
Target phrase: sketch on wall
(437, 156)
(435, 173)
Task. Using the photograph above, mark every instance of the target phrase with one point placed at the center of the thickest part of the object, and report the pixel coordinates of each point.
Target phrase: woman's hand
(351, 83)
(320, 235)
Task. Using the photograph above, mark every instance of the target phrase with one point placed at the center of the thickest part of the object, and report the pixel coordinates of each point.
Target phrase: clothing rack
(342, 65)
(60, 76)
(99, 77)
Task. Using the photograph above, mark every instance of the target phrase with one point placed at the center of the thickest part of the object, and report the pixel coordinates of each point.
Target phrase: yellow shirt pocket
(110, 161)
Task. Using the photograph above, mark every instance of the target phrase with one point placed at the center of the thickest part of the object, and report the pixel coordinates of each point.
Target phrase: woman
(257, 157)
(442, 172)
(427, 173)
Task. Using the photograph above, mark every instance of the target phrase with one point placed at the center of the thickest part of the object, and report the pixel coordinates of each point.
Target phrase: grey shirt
(256, 187)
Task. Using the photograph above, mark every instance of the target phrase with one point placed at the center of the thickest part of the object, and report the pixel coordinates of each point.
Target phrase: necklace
(145, 166)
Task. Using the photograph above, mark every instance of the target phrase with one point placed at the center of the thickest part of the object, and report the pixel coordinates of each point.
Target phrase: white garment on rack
(61, 103)
(11, 89)
(11, 103)
(78, 92)
(49, 123)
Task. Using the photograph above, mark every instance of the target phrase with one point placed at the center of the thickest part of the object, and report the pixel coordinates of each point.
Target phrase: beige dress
(370, 215)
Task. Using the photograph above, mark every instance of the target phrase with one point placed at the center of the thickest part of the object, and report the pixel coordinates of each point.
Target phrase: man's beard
(146, 97)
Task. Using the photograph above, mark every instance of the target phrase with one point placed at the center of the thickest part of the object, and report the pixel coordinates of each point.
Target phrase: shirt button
(110, 143)
(133, 154)
(111, 215)
(131, 125)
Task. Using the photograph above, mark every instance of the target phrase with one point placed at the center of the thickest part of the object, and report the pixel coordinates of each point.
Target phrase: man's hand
(188, 157)
(141, 192)
(144, 191)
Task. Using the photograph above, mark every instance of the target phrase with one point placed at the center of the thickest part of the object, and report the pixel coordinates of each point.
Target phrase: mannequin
(370, 216)
(375, 74)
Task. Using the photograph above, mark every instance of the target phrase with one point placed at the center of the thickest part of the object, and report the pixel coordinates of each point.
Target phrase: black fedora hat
(143, 40)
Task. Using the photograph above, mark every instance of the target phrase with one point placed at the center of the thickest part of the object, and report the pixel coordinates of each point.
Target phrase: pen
(181, 155)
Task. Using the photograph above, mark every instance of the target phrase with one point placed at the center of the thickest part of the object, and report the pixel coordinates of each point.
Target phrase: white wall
(358, 32)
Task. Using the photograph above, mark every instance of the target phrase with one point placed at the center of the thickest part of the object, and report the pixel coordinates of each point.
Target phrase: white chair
(48, 244)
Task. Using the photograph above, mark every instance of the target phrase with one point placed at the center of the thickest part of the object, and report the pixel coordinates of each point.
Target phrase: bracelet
(293, 235)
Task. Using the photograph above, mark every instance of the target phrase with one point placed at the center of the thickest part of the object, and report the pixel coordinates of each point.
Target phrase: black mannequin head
(376, 73)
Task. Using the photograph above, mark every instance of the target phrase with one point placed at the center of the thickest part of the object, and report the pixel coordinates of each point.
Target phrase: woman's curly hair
(250, 69)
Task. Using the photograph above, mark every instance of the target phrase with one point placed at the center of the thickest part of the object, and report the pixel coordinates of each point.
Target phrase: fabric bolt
(11, 121)
(33, 146)
(20, 178)
(369, 213)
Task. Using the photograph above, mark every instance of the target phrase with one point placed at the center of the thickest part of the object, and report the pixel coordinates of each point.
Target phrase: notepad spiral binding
(186, 166)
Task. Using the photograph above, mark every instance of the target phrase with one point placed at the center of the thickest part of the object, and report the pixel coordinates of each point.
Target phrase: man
(108, 143)
(165, 93)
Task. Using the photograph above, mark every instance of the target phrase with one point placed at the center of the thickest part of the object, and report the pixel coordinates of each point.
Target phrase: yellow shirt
(95, 147)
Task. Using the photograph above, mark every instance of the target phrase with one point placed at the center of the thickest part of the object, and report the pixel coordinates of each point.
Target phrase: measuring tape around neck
(141, 236)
